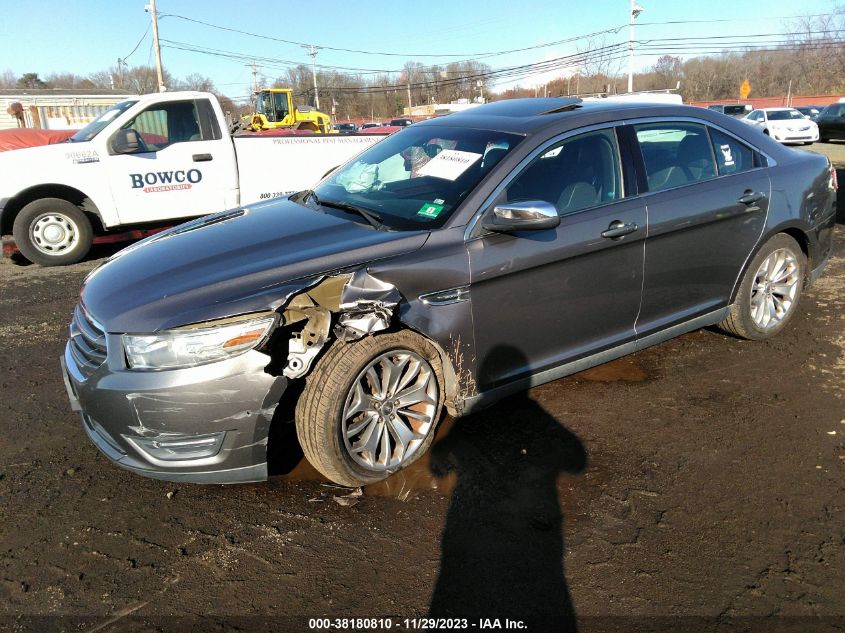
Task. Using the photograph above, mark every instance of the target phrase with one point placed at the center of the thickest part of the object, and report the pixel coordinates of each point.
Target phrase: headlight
(197, 344)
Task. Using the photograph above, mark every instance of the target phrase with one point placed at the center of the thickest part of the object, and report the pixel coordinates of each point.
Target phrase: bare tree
(8, 79)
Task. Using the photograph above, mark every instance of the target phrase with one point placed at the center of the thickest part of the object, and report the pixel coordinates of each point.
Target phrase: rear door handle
(201, 158)
(618, 228)
(750, 197)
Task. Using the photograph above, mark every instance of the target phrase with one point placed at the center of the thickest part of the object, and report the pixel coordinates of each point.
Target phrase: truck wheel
(370, 408)
(52, 232)
(769, 291)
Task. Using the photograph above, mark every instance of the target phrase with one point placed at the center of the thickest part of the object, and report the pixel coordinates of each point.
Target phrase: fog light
(168, 447)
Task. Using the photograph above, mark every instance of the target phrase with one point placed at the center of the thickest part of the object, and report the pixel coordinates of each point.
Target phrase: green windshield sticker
(430, 210)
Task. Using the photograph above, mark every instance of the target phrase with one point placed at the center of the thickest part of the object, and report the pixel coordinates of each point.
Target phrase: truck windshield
(95, 127)
(415, 178)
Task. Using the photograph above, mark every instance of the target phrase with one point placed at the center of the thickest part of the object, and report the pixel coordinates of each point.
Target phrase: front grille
(87, 341)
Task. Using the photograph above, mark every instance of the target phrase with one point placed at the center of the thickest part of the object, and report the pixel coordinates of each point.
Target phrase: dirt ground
(697, 485)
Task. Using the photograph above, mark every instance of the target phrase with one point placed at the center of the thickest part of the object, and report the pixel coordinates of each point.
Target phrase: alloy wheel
(775, 288)
(389, 410)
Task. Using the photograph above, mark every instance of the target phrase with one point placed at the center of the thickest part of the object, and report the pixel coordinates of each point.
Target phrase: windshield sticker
(430, 210)
(726, 153)
(449, 164)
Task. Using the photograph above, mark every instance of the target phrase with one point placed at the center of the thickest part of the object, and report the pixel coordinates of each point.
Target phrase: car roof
(780, 109)
(530, 116)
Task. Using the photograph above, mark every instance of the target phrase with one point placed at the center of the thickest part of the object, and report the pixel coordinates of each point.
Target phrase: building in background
(55, 108)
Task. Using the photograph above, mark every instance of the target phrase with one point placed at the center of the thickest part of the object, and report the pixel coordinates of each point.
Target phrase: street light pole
(635, 11)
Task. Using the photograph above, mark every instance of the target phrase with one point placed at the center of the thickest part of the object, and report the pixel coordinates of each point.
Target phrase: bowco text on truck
(150, 160)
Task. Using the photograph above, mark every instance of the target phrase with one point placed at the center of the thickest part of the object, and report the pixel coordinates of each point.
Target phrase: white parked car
(786, 125)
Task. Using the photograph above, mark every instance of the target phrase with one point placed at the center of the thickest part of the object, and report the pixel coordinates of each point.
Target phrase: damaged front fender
(363, 303)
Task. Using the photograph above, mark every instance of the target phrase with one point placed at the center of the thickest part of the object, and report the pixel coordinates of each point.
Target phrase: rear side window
(208, 121)
(578, 173)
(732, 156)
(675, 154)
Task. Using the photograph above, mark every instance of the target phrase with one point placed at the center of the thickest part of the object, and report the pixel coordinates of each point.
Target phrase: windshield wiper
(302, 197)
(373, 218)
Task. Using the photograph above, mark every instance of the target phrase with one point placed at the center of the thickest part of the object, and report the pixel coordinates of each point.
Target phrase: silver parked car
(575, 233)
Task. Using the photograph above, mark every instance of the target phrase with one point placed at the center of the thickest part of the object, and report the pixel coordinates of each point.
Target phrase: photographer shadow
(502, 545)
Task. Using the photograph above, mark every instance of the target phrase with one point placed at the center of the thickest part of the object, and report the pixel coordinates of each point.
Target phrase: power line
(478, 55)
(389, 54)
(138, 44)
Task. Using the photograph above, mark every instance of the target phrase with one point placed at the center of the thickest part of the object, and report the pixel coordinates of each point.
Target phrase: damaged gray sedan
(572, 233)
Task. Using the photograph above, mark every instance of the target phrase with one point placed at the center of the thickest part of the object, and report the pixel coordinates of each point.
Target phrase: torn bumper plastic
(206, 424)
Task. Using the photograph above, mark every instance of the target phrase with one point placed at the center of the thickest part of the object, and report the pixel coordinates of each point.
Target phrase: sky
(88, 36)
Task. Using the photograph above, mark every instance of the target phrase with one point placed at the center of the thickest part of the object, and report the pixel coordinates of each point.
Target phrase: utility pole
(312, 51)
(254, 67)
(120, 65)
(409, 95)
(635, 11)
(151, 7)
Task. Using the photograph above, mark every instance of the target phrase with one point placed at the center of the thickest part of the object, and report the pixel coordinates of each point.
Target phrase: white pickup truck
(151, 160)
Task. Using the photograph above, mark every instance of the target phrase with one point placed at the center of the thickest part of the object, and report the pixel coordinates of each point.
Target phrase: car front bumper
(205, 424)
(807, 136)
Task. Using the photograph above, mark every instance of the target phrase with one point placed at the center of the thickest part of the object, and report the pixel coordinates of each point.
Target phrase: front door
(183, 168)
(556, 295)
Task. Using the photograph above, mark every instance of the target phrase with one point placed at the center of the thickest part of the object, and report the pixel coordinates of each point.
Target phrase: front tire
(370, 408)
(52, 232)
(769, 292)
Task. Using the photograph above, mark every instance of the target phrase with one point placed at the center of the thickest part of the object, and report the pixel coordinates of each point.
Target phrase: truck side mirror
(125, 141)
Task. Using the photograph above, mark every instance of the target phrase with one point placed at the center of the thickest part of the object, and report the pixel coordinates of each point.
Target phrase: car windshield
(737, 109)
(784, 115)
(415, 178)
(95, 127)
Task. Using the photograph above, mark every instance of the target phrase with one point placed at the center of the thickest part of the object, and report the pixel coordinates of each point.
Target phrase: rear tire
(359, 422)
(52, 232)
(769, 292)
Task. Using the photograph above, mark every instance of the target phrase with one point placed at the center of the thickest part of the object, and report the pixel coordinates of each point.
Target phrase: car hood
(230, 263)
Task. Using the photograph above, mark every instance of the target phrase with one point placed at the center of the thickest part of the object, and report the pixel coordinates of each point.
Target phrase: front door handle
(201, 158)
(618, 228)
(750, 197)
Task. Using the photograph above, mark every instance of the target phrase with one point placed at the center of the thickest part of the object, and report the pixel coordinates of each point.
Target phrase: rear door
(185, 167)
(560, 294)
(707, 202)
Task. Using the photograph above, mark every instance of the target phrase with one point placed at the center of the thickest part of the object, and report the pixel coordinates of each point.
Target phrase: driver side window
(581, 172)
(164, 124)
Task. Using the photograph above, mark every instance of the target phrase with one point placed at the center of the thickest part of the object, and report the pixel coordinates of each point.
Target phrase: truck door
(184, 166)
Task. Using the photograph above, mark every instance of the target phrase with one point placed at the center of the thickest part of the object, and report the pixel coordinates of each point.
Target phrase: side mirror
(529, 215)
(125, 141)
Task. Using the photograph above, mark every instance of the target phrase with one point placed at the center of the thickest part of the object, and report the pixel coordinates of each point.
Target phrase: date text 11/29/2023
(417, 624)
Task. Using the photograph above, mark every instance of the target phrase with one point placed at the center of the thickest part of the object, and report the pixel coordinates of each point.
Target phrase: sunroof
(523, 107)
(571, 105)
